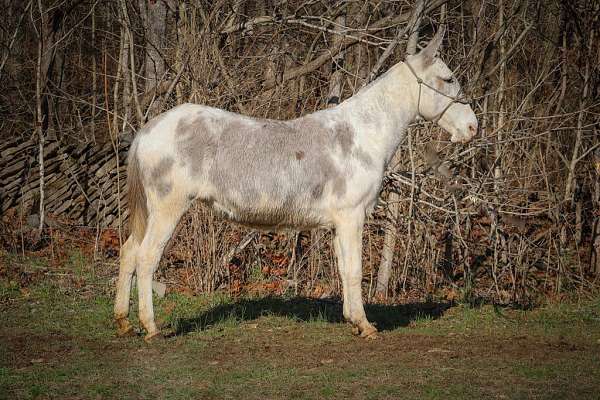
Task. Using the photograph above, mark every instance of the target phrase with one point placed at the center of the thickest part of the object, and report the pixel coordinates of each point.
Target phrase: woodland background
(512, 217)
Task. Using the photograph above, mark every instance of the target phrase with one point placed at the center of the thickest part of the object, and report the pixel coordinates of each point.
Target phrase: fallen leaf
(452, 295)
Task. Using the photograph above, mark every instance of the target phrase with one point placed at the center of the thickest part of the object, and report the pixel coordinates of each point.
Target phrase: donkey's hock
(321, 170)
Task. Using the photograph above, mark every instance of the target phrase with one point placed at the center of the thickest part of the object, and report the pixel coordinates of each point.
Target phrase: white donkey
(321, 170)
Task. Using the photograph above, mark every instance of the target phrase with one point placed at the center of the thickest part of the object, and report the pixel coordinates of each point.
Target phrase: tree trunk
(596, 224)
(49, 27)
(154, 18)
(389, 240)
(337, 65)
(569, 197)
(39, 82)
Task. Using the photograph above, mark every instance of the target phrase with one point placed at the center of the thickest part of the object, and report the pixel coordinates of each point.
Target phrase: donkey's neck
(381, 113)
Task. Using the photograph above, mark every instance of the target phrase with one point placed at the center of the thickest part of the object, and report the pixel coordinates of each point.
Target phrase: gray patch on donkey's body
(363, 157)
(339, 186)
(344, 137)
(159, 176)
(196, 142)
(317, 191)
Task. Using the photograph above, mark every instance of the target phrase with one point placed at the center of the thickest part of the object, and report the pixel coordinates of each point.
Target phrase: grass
(57, 341)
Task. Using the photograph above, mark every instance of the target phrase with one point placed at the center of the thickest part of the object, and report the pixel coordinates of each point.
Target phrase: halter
(420, 81)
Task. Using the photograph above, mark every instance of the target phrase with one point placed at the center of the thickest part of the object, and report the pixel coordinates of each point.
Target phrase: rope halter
(421, 82)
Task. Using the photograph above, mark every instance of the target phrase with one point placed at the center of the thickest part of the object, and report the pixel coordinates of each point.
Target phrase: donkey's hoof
(124, 328)
(367, 331)
(153, 337)
(355, 330)
(369, 334)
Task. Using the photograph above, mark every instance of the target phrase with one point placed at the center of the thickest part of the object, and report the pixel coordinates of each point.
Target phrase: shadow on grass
(386, 317)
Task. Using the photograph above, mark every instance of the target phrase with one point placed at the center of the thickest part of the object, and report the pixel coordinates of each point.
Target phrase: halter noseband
(421, 83)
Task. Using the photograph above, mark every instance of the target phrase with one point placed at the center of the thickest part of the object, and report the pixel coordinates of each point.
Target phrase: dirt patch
(23, 348)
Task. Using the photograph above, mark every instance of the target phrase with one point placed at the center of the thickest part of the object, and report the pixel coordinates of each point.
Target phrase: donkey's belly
(271, 218)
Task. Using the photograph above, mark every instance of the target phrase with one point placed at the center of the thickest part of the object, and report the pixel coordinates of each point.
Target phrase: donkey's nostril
(472, 129)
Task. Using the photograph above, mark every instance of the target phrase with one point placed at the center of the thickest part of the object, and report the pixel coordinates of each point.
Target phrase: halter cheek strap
(421, 83)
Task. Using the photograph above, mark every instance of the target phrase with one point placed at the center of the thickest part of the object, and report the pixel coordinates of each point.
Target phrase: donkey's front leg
(337, 247)
(349, 233)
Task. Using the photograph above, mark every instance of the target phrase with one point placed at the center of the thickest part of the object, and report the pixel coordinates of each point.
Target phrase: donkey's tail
(136, 198)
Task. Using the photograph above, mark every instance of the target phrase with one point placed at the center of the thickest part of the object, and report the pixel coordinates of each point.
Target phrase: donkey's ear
(429, 52)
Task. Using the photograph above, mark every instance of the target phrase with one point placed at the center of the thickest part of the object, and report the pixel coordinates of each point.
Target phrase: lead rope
(419, 98)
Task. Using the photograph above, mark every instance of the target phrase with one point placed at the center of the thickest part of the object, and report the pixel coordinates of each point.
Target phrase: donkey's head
(438, 93)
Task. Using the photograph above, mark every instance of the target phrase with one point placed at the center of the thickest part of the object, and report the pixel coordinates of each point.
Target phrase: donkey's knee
(147, 262)
(128, 256)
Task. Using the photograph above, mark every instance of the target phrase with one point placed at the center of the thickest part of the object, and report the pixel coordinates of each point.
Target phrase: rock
(159, 289)
(33, 220)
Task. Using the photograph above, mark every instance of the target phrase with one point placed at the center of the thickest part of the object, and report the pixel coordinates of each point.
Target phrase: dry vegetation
(512, 217)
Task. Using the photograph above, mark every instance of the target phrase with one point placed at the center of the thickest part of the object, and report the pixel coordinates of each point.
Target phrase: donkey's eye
(449, 79)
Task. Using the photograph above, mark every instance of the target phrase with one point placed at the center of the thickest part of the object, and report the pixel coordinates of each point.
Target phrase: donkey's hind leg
(161, 224)
(127, 266)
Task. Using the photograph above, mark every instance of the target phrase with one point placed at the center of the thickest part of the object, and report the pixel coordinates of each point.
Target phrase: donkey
(323, 170)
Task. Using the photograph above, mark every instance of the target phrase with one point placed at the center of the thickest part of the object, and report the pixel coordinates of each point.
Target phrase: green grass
(57, 341)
